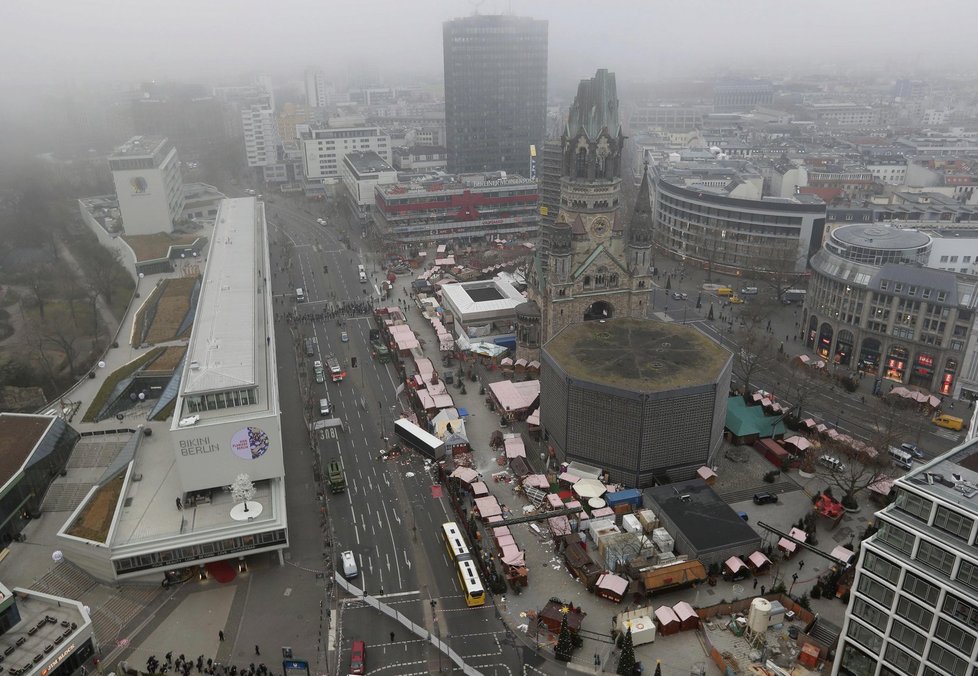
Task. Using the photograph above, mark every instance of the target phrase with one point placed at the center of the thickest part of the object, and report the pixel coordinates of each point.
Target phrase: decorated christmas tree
(564, 643)
(658, 668)
(626, 661)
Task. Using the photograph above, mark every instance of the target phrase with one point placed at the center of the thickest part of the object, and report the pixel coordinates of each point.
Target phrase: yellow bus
(465, 566)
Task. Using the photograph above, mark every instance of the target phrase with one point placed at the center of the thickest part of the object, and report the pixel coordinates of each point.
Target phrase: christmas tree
(626, 661)
(564, 643)
(658, 668)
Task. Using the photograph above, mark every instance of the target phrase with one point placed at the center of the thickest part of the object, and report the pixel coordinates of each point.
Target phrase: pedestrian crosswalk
(948, 434)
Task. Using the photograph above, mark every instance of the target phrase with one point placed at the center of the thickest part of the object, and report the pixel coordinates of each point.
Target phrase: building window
(896, 537)
(952, 522)
(943, 657)
(921, 588)
(935, 557)
(865, 636)
(914, 612)
(943, 259)
(855, 662)
(914, 505)
(875, 563)
(962, 611)
(877, 591)
(869, 613)
(901, 659)
(968, 574)
(952, 634)
(906, 636)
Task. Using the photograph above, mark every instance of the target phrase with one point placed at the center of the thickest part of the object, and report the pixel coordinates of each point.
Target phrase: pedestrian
(801, 564)
(392, 637)
(257, 651)
(220, 635)
(381, 591)
(762, 590)
(755, 583)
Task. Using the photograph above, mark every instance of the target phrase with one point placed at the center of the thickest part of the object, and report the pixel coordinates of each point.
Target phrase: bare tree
(779, 265)
(65, 338)
(800, 384)
(759, 350)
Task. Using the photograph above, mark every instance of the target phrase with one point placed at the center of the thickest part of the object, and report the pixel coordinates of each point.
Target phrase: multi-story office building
(467, 208)
(913, 609)
(741, 96)
(873, 307)
(148, 184)
(317, 90)
(716, 218)
(495, 92)
(361, 173)
(667, 117)
(259, 124)
(843, 114)
(323, 150)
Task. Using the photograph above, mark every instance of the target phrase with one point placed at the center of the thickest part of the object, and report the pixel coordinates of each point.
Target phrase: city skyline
(82, 42)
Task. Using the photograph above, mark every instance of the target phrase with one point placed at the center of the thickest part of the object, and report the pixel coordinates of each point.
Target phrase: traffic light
(353, 361)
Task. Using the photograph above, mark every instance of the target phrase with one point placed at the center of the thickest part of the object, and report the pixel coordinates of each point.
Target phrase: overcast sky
(60, 41)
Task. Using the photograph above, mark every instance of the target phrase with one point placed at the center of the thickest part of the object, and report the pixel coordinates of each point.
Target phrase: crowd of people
(347, 309)
(184, 666)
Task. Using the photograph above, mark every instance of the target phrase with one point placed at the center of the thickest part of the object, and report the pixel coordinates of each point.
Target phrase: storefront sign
(198, 446)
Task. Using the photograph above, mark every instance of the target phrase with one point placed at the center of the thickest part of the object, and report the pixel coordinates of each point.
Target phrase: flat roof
(34, 608)
(705, 520)
(19, 436)
(139, 146)
(368, 162)
(953, 477)
(481, 297)
(880, 236)
(640, 355)
(221, 351)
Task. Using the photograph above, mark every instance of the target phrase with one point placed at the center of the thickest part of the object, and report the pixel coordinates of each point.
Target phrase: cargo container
(630, 496)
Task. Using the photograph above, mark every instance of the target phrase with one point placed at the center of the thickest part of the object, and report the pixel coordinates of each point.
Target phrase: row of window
(204, 550)
(220, 400)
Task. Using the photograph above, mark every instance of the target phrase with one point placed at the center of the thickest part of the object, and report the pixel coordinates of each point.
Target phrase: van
(724, 291)
(748, 291)
(358, 658)
(310, 347)
(900, 458)
(325, 407)
(948, 421)
(300, 296)
(349, 563)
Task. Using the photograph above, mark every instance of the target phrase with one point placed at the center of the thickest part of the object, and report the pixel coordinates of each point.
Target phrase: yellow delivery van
(948, 421)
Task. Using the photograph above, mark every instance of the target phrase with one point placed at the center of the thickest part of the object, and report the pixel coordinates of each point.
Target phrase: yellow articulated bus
(465, 567)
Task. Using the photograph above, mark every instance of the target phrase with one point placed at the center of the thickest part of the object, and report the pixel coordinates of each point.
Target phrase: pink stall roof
(665, 615)
(882, 485)
(613, 583)
(406, 342)
(515, 396)
(427, 401)
(787, 545)
(572, 503)
(521, 362)
(435, 388)
(488, 506)
(443, 401)
(499, 531)
(841, 553)
(533, 418)
(734, 564)
(424, 367)
(758, 559)
(537, 481)
(480, 489)
(554, 501)
(466, 474)
(799, 442)
(705, 473)
(569, 478)
(684, 611)
(559, 525)
(798, 534)
(604, 511)
(506, 361)
(515, 448)
(495, 518)
(513, 556)
(505, 540)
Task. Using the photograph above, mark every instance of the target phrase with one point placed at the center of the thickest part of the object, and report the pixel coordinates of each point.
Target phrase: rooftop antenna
(475, 6)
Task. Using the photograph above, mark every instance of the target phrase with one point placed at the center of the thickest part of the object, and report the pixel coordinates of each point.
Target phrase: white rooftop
(221, 353)
(482, 299)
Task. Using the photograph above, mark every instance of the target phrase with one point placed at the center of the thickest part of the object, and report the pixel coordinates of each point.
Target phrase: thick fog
(60, 43)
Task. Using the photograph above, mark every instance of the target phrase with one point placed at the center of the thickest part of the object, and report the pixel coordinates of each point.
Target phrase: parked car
(358, 658)
(676, 295)
(765, 499)
(736, 300)
(913, 450)
(833, 464)
(321, 221)
(344, 337)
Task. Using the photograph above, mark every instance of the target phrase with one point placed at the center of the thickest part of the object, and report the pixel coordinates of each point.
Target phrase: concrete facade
(148, 184)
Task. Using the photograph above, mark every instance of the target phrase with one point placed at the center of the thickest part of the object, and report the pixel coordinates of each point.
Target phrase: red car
(358, 658)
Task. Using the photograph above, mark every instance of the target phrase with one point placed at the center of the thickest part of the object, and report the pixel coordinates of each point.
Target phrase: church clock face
(599, 228)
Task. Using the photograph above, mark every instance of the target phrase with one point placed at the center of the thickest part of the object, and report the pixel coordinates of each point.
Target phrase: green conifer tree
(626, 661)
(565, 645)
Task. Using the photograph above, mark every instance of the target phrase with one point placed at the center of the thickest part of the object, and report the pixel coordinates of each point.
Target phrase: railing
(415, 629)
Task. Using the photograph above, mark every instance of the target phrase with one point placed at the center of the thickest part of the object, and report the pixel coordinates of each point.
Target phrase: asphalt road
(388, 516)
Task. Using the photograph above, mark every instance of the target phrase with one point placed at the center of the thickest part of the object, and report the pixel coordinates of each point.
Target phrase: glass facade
(495, 92)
